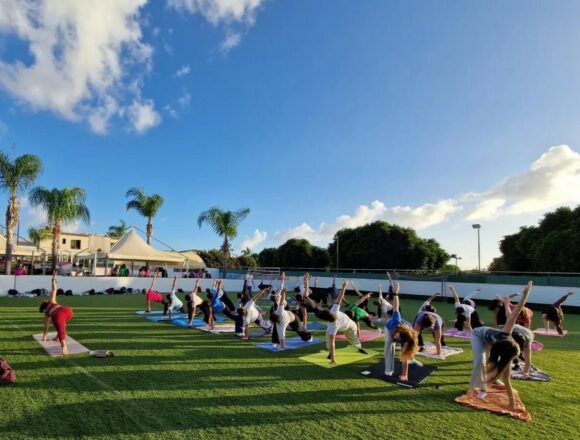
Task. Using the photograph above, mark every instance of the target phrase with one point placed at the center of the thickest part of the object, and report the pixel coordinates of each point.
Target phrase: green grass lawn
(167, 382)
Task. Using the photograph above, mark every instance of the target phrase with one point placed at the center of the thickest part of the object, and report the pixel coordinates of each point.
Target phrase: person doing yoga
(493, 353)
(555, 315)
(59, 315)
(397, 330)
(466, 314)
(251, 314)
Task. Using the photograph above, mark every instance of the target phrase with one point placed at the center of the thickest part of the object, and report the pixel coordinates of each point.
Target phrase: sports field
(171, 383)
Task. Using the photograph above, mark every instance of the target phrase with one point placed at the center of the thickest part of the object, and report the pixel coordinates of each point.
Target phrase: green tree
(62, 206)
(300, 253)
(268, 257)
(380, 245)
(117, 231)
(225, 224)
(36, 235)
(145, 205)
(15, 176)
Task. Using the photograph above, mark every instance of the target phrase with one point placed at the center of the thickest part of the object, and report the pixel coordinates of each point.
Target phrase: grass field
(172, 383)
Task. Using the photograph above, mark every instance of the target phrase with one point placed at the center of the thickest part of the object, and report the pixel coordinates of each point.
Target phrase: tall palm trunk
(55, 243)
(149, 230)
(11, 221)
(226, 252)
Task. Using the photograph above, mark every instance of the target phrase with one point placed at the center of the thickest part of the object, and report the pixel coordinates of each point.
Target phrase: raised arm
(395, 299)
(561, 300)
(153, 280)
(315, 282)
(340, 296)
(196, 286)
(53, 288)
(390, 279)
(432, 297)
(260, 294)
(283, 280)
(511, 319)
(173, 285)
(362, 299)
(358, 292)
(454, 293)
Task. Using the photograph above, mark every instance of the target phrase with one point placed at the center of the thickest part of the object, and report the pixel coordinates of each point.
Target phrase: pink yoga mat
(551, 332)
(53, 347)
(365, 335)
(453, 332)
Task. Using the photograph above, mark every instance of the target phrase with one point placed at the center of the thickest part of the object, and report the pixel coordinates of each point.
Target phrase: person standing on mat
(357, 314)
(251, 314)
(493, 353)
(193, 301)
(555, 315)
(433, 322)
(466, 314)
(385, 307)
(499, 307)
(285, 318)
(59, 315)
(397, 330)
(172, 304)
(152, 295)
(219, 303)
(341, 324)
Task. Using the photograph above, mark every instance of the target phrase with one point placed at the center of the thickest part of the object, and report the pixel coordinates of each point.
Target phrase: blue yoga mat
(316, 326)
(144, 313)
(198, 322)
(165, 318)
(291, 344)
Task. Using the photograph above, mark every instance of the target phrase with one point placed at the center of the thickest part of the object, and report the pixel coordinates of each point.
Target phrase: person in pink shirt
(152, 295)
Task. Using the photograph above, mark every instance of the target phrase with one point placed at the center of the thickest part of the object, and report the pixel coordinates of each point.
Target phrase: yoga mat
(154, 312)
(197, 322)
(53, 347)
(343, 356)
(537, 346)
(535, 374)
(254, 334)
(220, 328)
(496, 401)
(291, 344)
(416, 374)
(430, 351)
(312, 326)
(454, 333)
(551, 332)
(365, 336)
(166, 318)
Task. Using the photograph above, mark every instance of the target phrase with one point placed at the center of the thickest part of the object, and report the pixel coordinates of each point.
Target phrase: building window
(75, 244)
(64, 241)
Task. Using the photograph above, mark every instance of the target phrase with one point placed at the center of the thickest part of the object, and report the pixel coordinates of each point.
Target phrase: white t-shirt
(341, 324)
(467, 308)
(250, 280)
(252, 313)
(176, 303)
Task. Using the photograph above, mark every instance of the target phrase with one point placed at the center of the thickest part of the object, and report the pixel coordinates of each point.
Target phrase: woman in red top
(152, 295)
(59, 315)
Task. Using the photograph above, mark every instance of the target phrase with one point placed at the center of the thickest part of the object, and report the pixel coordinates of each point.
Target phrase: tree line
(552, 246)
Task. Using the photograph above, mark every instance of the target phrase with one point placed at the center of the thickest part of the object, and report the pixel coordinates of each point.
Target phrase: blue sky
(433, 115)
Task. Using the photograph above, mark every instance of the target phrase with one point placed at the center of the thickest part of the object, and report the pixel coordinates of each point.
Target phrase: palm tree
(62, 206)
(36, 235)
(225, 224)
(16, 175)
(145, 205)
(117, 231)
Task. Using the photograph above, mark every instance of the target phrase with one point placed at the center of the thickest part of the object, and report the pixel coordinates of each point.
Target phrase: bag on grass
(68, 293)
(7, 374)
(12, 292)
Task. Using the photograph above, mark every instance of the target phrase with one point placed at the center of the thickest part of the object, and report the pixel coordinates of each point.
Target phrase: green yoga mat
(343, 356)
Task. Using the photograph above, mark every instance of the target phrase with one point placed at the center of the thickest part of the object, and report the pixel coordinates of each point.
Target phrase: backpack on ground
(7, 374)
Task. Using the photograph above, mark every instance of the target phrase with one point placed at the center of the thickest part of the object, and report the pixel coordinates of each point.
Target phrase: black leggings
(421, 342)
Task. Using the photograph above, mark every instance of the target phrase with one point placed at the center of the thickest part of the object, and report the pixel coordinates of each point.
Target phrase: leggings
(421, 342)
(59, 319)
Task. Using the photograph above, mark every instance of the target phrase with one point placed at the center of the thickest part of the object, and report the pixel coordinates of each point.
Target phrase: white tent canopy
(131, 247)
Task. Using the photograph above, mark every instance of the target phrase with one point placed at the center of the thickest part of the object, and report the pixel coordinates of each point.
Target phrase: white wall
(540, 294)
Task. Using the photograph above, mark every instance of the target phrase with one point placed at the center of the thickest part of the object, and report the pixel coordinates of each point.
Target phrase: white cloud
(257, 238)
(30, 216)
(143, 116)
(184, 99)
(170, 111)
(183, 71)
(235, 15)
(420, 217)
(84, 55)
(552, 180)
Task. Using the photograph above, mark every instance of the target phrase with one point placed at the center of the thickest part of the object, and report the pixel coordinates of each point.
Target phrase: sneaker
(239, 335)
(379, 331)
(389, 373)
(415, 362)
(481, 395)
(363, 351)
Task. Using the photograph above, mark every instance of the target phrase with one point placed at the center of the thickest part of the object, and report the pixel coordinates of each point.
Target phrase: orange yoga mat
(496, 401)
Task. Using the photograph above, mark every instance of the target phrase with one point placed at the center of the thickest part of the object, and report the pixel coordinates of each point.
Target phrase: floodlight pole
(478, 227)
(337, 253)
